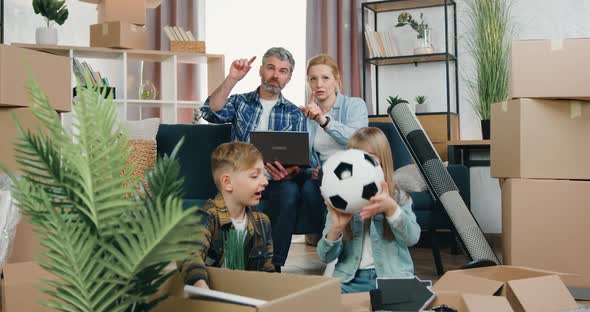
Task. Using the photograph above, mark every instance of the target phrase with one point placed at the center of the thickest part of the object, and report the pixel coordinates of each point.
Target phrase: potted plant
(394, 100)
(54, 11)
(106, 243)
(423, 42)
(421, 105)
(488, 40)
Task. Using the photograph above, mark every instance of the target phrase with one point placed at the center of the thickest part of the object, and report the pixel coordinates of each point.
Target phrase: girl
(373, 243)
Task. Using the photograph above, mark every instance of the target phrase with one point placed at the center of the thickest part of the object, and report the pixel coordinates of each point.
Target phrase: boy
(236, 236)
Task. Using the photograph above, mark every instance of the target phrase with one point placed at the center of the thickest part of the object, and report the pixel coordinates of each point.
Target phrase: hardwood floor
(303, 259)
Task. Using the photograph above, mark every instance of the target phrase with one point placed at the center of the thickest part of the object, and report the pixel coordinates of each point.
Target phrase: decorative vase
(46, 35)
(485, 129)
(424, 43)
(147, 90)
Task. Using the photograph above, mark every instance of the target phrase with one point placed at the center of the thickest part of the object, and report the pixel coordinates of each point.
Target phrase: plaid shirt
(209, 249)
(243, 111)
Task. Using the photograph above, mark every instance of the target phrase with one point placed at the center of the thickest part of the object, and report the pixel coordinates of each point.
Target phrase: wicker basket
(187, 46)
(143, 155)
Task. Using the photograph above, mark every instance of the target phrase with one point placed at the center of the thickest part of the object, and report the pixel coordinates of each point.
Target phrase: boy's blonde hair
(373, 139)
(233, 156)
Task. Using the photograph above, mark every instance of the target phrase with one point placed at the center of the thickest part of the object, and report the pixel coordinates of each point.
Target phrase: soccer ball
(350, 179)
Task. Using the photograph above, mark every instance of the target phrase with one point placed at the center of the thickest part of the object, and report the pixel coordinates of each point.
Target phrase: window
(242, 29)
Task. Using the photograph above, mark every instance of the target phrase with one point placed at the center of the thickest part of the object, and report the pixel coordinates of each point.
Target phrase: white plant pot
(44, 35)
(421, 108)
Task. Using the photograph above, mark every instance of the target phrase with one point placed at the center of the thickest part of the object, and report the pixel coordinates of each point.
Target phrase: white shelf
(211, 64)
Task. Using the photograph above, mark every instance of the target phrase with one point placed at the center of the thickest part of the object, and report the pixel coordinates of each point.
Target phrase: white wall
(242, 29)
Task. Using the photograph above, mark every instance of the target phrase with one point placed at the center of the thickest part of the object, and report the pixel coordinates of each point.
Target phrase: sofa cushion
(195, 155)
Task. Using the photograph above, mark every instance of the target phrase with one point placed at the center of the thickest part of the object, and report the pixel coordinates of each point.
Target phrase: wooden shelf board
(107, 53)
(409, 59)
(385, 6)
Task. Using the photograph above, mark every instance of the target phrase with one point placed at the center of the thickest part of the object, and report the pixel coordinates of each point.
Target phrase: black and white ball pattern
(350, 179)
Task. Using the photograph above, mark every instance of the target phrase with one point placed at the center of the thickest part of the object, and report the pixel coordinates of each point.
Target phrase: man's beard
(270, 89)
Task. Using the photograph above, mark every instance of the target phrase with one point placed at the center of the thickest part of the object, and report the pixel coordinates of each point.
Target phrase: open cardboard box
(471, 302)
(361, 302)
(283, 292)
(527, 290)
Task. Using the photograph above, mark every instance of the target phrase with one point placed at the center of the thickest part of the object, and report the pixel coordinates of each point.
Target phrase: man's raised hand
(239, 68)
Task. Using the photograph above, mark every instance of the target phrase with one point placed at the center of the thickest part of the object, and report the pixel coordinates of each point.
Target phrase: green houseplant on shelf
(421, 103)
(394, 100)
(54, 11)
(488, 41)
(423, 40)
(105, 241)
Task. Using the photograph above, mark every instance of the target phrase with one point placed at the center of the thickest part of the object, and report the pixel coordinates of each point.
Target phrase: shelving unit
(1, 21)
(448, 56)
(169, 103)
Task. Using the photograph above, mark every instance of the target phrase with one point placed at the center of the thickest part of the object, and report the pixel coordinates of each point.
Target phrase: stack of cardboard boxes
(540, 148)
(121, 24)
(52, 73)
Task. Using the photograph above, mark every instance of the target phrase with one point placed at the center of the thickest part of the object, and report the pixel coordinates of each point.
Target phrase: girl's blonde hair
(325, 59)
(372, 140)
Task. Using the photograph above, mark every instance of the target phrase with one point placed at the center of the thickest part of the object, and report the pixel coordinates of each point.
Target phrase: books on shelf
(175, 33)
(83, 69)
(381, 44)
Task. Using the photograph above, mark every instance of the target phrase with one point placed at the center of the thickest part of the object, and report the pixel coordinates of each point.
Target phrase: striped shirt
(207, 249)
(243, 111)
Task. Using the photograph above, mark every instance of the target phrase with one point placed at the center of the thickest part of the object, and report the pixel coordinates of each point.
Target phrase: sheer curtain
(333, 27)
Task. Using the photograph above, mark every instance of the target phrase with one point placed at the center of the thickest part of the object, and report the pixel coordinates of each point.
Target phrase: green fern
(106, 243)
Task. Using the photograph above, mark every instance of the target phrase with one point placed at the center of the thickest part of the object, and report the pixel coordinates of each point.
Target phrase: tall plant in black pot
(488, 40)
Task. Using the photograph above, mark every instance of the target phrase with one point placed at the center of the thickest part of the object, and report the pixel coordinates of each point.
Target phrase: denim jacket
(349, 114)
(392, 257)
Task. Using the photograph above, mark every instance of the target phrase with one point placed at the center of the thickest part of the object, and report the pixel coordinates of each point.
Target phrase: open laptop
(290, 148)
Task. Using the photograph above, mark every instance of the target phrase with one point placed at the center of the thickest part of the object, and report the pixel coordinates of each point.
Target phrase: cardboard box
(9, 134)
(51, 72)
(284, 292)
(550, 69)
(118, 35)
(541, 139)
(361, 302)
(548, 231)
(25, 245)
(18, 287)
(471, 302)
(525, 289)
(131, 11)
